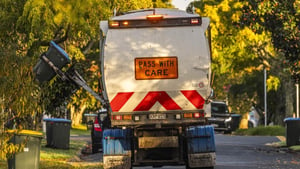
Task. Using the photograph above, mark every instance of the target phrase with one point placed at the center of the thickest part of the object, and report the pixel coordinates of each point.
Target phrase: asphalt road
(243, 152)
(252, 152)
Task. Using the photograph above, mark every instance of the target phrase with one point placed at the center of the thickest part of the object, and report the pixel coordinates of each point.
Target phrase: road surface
(244, 152)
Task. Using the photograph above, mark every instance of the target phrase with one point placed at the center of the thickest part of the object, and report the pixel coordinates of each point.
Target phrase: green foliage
(26, 28)
(19, 93)
(238, 54)
(242, 47)
(282, 20)
(273, 83)
(8, 149)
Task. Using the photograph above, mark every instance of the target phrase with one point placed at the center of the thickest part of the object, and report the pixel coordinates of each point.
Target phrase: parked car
(222, 119)
(97, 130)
(253, 118)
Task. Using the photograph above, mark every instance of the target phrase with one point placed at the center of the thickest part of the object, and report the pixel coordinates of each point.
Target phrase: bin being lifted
(51, 64)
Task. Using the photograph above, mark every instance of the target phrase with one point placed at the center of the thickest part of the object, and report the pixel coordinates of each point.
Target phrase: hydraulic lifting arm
(70, 75)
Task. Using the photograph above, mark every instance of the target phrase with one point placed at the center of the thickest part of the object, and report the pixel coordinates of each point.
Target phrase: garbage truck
(156, 74)
(155, 85)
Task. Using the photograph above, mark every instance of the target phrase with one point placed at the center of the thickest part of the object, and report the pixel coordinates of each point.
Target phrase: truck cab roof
(167, 14)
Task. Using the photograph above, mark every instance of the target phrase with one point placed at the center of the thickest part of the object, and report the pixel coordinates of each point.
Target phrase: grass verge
(61, 165)
(268, 131)
(295, 148)
(60, 158)
(51, 154)
(262, 131)
(80, 130)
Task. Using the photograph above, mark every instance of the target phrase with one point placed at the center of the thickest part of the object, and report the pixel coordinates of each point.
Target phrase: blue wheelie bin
(58, 133)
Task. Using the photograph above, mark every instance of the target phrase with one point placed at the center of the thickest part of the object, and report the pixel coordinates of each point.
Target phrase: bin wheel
(95, 148)
(187, 167)
(228, 132)
(250, 124)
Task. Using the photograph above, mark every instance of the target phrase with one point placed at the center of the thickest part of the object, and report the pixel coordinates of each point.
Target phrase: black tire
(250, 124)
(227, 132)
(95, 148)
(95, 145)
(187, 167)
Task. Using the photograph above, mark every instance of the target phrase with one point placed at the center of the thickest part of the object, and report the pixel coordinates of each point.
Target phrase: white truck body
(130, 52)
(156, 67)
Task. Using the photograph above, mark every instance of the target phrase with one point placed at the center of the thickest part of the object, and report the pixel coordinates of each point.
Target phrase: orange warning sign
(156, 68)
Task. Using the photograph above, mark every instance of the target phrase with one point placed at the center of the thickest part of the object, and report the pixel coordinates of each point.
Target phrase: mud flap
(202, 160)
(117, 162)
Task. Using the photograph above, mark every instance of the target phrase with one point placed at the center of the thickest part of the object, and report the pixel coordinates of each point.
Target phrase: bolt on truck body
(155, 67)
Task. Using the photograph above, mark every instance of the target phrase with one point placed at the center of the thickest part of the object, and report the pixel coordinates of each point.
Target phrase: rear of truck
(155, 67)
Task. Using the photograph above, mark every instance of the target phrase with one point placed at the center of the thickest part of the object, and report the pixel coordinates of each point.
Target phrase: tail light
(122, 117)
(117, 117)
(127, 117)
(97, 126)
(194, 115)
(155, 17)
(114, 24)
(195, 21)
(125, 23)
(188, 115)
(199, 115)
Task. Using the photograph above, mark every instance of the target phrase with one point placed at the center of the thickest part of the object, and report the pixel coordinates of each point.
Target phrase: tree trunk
(290, 98)
(76, 117)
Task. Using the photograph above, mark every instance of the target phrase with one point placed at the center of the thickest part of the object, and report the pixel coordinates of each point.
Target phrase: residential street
(239, 152)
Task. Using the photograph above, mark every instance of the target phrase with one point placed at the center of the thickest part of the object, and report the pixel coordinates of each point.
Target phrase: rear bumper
(173, 118)
(159, 123)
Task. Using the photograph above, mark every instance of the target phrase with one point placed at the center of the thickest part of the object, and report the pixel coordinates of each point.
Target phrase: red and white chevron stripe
(157, 100)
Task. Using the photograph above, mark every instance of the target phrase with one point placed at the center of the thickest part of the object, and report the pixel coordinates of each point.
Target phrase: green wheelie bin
(29, 158)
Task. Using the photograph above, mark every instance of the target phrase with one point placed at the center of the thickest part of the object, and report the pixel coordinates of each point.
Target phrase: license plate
(157, 116)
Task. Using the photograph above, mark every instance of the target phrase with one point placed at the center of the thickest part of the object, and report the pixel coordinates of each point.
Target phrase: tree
(234, 54)
(241, 49)
(282, 20)
(26, 28)
(19, 93)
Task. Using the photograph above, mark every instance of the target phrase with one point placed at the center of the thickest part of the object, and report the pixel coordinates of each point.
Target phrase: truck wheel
(227, 132)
